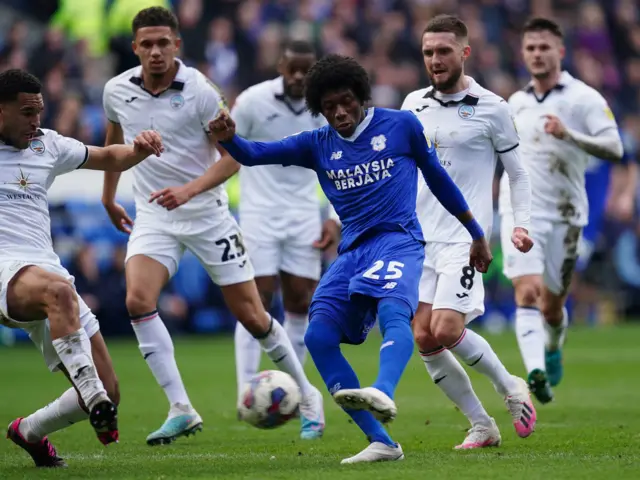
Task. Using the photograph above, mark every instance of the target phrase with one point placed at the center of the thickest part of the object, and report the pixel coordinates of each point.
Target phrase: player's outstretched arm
(294, 150)
(117, 213)
(118, 158)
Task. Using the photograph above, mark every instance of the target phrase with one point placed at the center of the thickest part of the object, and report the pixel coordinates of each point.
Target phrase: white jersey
(180, 114)
(469, 130)
(263, 113)
(25, 177)
(557, 167)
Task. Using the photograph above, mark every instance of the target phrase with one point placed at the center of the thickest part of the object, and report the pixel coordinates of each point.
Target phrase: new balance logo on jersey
(131, 100)
(390, 286)
(336, 155)
(362, 174)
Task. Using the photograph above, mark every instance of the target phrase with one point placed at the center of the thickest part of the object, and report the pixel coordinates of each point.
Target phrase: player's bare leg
(243, 300)
(296, 296)
(145, 279)
(35, 294)
(452, 379)
(556, 323)
(247, 348)
(531, 335)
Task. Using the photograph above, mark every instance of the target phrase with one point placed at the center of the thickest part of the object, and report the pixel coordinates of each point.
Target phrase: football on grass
(270, 399)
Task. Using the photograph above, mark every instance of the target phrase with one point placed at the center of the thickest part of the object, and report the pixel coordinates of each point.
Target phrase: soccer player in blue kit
(366, 161)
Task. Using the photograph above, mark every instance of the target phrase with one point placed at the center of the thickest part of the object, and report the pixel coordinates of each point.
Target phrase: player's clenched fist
(480, 256)
(149, 142)
(222, 128)
(521, 239)
(554, 126)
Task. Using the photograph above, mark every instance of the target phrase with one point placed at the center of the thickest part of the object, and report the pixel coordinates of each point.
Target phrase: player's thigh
(561, 258)
(389, 266)
(332, 299)
(297, 292)
(459, 296)
(25, 289)
(518, 264)
(263, 241)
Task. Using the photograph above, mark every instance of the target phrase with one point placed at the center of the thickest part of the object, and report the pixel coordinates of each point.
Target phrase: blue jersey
(371, 177)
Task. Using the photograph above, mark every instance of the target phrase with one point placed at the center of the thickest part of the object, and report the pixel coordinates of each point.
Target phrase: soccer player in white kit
(37, 294)
(561, 121)
(279, 206)
(177, 211)
(471, 127)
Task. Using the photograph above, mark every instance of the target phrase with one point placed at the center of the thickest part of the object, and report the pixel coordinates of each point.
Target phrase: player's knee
(140, 302)
(552, 312)
(447, 326)
(527, 294)
(320, 336)
(60, 296)
(425, 341)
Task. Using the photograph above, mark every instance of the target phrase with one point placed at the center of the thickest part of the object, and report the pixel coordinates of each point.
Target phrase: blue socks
(394, 317)
(323, 339)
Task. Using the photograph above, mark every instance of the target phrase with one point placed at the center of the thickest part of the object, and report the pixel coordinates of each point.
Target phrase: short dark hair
(155, 17)
(447, 24)
(332, 73)
(541, 24)
(299, 47)
(15, 81)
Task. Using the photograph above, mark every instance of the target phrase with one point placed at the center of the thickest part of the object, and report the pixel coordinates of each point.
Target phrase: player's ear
(281, 65)
(178, 43)
(466, 51)
(134, 45)
(563, 50)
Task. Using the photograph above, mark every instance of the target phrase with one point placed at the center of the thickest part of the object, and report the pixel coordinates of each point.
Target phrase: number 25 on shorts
(394, 270)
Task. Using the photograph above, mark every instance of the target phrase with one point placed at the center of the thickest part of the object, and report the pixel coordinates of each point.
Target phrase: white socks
(448, 374)
(248, 351)
(556, 335)
(530, 333)
(279, 349)
(476, 352)
(60, 413)
(74, 351)
(156, 347)
(296, 326)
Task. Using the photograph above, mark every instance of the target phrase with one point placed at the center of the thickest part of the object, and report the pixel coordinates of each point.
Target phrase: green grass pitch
(591, 430)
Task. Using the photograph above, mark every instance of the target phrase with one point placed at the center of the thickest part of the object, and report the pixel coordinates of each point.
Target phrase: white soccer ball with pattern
(270, 399)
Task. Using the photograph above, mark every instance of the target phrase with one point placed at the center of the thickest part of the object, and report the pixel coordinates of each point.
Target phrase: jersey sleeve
(70, 154)
(502, 129)
(241, 113)
(295, 150)
(210, 102)
(107, 104)
(597, 115)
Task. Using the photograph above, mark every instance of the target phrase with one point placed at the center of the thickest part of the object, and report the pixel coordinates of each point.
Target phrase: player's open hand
(172, 197)
(521, 239)
(119, 217)
(222, 128)
(148, 142)
(480, 256)
(329, 237)
(554, 126)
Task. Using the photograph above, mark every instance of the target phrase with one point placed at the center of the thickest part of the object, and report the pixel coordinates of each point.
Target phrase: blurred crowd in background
(75, 46)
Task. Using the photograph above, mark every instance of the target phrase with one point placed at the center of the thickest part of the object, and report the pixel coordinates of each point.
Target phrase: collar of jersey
(278, 93)
(360, 128)
(471, 98)
(563, 81)
(177, 83)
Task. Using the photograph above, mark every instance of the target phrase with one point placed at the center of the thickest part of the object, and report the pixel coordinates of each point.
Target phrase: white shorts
(284, 243)
(449, 282)
(554, 253)
(215, 240)
(39, 330)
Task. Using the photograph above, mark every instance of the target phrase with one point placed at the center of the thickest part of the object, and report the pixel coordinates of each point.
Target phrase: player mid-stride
(366, 162)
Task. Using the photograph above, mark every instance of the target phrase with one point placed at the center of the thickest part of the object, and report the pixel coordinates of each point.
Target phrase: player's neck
(156, 84)
(543, 85)
(460, 86)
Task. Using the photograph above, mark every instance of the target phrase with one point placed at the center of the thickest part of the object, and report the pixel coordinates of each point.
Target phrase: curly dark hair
(15, 81)
(333, 73)
(155, 17)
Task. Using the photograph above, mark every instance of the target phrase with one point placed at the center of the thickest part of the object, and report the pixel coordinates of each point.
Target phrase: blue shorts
(387, 265)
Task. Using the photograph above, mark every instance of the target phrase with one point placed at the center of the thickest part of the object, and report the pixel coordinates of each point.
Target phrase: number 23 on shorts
(233, 242)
